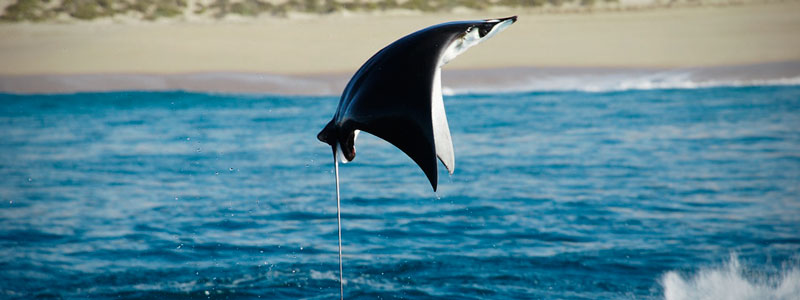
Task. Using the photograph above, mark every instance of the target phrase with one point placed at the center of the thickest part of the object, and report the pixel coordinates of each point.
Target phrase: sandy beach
(161, 55)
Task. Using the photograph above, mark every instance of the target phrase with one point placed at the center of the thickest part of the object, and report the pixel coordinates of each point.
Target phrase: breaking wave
(617, 82)
(733, 282)
(619, 79)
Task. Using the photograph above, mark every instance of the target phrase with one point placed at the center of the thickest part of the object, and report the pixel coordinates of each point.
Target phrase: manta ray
(397, 96)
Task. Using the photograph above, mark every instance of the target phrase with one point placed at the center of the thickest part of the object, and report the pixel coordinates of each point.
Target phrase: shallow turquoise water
(556, 195)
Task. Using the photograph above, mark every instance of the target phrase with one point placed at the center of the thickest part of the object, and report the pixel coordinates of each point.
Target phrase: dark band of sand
(454, 81)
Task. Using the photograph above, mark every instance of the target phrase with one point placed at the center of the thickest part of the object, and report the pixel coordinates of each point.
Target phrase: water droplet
(188, 139)
(301, 248)
(216, 173)
(10, 201)
(207, 293)
(30, 179)
(176, 198)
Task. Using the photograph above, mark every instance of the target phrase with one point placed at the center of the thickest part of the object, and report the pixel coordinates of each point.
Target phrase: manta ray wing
(391, 98)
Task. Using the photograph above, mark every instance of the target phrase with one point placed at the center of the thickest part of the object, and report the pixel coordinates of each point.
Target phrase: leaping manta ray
(397, 96)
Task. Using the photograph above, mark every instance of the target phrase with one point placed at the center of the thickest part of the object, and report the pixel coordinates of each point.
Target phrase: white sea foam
(534, 79)
(327, 275)
(732, 282)
(616, 82)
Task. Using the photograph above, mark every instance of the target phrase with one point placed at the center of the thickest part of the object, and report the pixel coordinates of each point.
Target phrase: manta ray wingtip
(433, 177)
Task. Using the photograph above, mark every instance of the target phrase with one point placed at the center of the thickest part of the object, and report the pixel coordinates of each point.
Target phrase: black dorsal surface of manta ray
(397, 96)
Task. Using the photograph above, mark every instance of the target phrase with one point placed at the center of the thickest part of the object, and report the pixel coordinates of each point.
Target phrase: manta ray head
(475, 33)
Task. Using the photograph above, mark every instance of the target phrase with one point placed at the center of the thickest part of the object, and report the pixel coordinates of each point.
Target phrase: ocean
(689, 193)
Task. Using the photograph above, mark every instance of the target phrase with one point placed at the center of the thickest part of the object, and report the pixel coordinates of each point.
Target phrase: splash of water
(732, 282)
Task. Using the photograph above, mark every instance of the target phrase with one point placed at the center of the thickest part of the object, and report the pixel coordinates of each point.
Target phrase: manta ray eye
(484, 30)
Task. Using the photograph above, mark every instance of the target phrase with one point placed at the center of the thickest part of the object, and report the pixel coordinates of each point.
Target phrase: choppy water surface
(675, 194)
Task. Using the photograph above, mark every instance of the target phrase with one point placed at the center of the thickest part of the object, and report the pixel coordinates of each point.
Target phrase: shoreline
(318, 55)
(458, 81)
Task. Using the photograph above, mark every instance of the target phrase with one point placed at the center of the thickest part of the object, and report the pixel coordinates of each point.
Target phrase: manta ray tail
(338, 221)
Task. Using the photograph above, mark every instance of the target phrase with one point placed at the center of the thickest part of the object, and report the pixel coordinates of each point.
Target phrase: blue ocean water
(650, 194)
